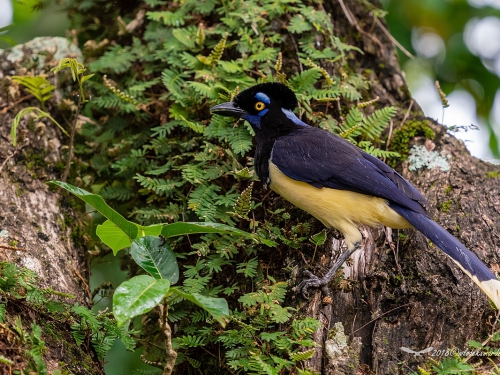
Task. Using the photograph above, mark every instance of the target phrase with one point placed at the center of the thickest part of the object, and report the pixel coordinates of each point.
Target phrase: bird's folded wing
(325, 160)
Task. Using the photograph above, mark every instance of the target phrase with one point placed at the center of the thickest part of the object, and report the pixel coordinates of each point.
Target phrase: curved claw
(312, 282)
(315, 282)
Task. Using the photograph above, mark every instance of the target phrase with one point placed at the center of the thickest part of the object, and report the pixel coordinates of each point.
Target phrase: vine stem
(72, 140)
(167, 332)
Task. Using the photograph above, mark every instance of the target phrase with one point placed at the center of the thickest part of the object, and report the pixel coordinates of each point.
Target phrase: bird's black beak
(228, 109)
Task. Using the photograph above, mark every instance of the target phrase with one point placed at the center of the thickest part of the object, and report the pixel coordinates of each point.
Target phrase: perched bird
(338, 183)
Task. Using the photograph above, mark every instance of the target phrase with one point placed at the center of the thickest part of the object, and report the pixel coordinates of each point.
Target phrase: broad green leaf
(151, 230)
(138, 296)
(217, 307)
(155, 257)
(114, 237)
(100, 205)
(182, 228)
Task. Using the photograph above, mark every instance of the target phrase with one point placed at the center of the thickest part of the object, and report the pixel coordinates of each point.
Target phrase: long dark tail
(462, 256)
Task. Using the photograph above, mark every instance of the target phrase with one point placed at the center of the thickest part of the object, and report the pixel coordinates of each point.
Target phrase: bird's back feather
(323, 159)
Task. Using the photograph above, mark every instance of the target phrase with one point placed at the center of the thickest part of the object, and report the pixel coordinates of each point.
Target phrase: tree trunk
(402, 292)
(37, 232)
(407, 293)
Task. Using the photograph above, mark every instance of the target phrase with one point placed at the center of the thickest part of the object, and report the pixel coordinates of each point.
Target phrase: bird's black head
(266, 103)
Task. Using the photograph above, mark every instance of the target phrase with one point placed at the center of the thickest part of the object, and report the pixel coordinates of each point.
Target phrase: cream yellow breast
(340, 209)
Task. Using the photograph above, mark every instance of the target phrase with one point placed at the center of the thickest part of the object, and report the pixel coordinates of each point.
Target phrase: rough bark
(407, 293)
(37, 231)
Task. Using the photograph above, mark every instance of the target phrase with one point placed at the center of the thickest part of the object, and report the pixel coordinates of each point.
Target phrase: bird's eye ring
(259, 106)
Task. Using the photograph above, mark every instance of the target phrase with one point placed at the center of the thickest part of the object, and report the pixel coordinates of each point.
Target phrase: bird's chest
(321, 203)
(340, 209)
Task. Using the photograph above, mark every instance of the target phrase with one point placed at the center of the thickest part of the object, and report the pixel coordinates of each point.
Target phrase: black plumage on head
(279, 94)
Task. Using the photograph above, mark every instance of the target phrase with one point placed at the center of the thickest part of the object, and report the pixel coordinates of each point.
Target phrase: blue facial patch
(291, 116)
(263, 98)
(254, 120)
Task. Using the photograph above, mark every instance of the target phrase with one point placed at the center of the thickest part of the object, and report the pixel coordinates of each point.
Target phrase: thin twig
(6, 109)
(388, 34)
(407, 113)
(85, 284)
(301, 68)
(354, 22)
(218, 358)
(8, 158)
(381, 315)
(348, 14)
(403, 363)
(13, 248)
(402, 123)
(391, 125)
(72, 140)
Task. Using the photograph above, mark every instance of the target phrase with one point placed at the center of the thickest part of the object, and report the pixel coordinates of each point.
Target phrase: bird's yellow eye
(259, 106)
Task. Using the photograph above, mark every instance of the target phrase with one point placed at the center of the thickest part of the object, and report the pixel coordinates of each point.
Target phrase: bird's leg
(316, 282)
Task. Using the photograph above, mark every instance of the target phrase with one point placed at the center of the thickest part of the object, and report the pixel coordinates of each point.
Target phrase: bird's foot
(314, 281)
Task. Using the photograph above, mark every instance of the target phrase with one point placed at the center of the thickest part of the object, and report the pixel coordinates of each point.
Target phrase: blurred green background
(26, 22)
(456, 42)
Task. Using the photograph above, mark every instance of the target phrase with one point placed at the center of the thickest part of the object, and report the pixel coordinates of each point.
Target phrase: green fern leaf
(302, 356)
(243, 203)
(118, 60)
(37, 86)
(174, 82)
(168, 18)
(216, 53)
(302, 82)
(375, 124)
(298, 24)
(204, 90)
(186, 36)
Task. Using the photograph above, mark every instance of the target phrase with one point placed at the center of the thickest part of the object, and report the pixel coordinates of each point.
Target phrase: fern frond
(375, 124)
(367, 103)
(302, 356)
(37, 86)
(174, 82)
(111, 86)
(216, 53)
(301, 82)
(329, 81)
(243, 204)
(168, 18)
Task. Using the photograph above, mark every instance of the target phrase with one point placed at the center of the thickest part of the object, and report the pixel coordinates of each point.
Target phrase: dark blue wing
(322, 159)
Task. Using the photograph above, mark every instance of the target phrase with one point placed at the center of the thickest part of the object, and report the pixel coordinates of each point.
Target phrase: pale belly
(340, 209)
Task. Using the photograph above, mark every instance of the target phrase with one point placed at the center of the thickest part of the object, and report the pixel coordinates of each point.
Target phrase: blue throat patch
(254, 120)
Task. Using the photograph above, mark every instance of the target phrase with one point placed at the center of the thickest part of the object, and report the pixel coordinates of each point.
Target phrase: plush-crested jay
(338, 183)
